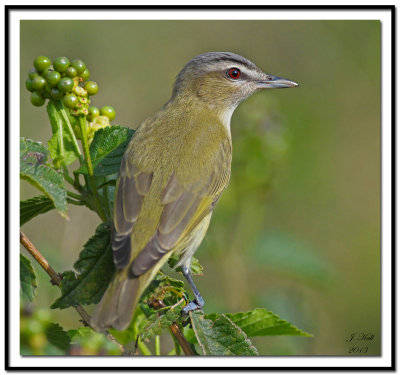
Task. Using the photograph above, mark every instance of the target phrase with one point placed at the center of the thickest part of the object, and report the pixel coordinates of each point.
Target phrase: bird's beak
(274, 82)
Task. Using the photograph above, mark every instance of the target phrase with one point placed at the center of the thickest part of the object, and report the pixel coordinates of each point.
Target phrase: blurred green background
(298, 229)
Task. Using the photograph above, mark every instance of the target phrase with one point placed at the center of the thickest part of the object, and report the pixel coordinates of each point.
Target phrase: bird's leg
(198, 301)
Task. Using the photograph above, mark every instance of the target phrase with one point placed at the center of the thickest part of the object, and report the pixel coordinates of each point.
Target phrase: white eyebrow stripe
(232, 64)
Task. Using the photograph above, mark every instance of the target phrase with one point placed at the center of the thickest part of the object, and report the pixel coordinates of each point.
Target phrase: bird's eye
(233, 73)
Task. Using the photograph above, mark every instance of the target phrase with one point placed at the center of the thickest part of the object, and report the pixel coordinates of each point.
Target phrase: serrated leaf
(63, 145)
(220, 337)
(107, 149)
(32, 207)
(95, 269)
(33, 155)
(27, 278)
(57, 336)
(163, 319)
(260, 322)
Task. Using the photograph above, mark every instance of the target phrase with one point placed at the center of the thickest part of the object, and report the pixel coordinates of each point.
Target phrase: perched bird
(172, 175)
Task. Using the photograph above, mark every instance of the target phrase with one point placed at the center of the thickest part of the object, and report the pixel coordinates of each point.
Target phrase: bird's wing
(183, 209)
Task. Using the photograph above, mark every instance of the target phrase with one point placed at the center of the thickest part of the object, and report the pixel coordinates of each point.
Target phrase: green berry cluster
(63, 80)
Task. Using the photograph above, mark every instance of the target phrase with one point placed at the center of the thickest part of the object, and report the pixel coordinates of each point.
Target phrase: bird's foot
(196, 304)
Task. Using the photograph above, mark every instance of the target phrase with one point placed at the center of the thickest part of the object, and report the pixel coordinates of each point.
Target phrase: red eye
(234, 73)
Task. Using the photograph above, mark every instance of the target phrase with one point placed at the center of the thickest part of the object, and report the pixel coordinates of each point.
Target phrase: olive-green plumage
(172, 174)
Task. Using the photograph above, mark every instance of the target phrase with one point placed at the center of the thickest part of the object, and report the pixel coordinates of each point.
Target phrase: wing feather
(131, 189)
(183, 208)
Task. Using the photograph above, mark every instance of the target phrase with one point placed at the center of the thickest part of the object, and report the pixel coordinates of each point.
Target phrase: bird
(172, 175)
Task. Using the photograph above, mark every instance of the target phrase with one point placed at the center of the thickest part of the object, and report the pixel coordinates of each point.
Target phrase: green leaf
(32, 207)
(27, 278)
(163, 319)
(195, 266)
(95, 269)
(220, 337)
(260, 322)
(33, 155)
(63, 145)
(57, 336)
(165, 288)
(107, 149)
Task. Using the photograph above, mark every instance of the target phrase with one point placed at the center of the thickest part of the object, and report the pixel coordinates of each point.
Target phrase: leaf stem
(61, 108)
(73, 195)
(67, 177)
(76, 203)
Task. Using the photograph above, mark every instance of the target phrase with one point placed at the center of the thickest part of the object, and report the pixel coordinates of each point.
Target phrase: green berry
(70, 101)
(93, 113)
(79, 65)
(66, 84)
(91, 87)
(36, 99)
(53, 78)
(46, 92)
(85, 75)
(108, 111)
(61, 64)
(56, 93)
(28, 85)
(71, 72)
(46, 71)
(33, 73)
(41, 63)
(38, 83)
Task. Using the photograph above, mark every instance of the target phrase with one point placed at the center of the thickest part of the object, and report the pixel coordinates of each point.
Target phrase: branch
(174, 327)
(56, 280)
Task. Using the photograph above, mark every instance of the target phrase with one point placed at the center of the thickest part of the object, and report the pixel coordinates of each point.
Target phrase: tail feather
(116, 306)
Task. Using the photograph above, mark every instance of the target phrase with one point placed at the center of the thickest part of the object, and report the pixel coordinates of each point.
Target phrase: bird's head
(224, 79)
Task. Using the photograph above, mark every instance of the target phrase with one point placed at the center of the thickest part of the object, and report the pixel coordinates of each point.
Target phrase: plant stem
(108, 205)
(143, 348)
(56, 279)
(67, 177)
(175, 330)
(61, 108)
(83, 127)
(157, 345)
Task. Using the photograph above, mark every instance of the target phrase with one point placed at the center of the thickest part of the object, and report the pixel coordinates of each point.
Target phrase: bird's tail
(117, 304)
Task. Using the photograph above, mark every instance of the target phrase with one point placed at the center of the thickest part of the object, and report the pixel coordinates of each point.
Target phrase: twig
(28, 245)
(56, 280)
(175, 329)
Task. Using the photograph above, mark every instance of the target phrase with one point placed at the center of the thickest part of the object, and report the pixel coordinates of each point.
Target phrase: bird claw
(191, 306)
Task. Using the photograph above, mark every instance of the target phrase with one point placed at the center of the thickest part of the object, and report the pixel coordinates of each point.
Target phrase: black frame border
(9, 8)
